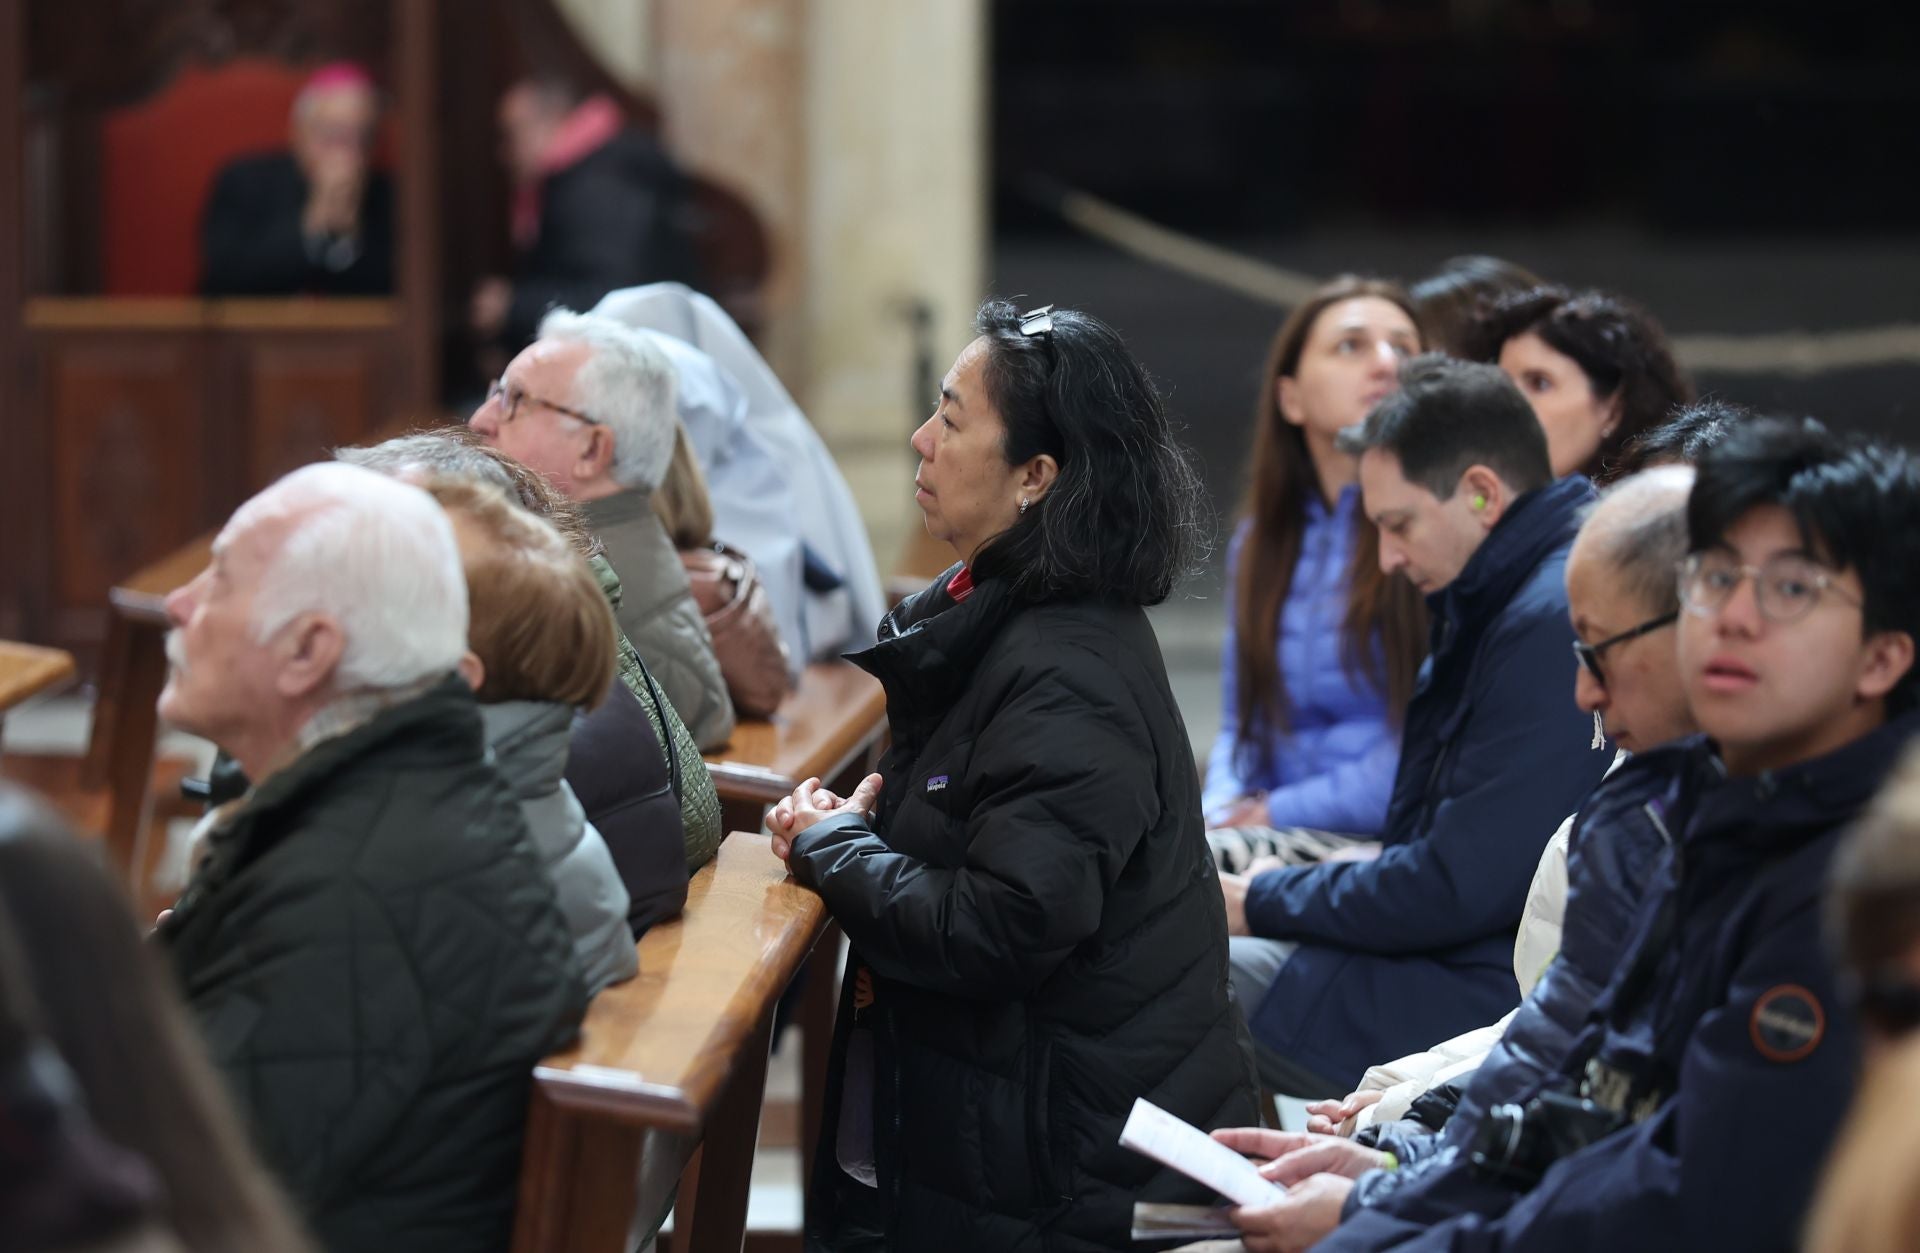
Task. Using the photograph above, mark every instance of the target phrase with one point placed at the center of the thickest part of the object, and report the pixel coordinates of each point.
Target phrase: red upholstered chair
(158, 160)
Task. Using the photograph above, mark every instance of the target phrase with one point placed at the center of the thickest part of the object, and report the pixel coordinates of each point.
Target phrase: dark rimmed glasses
(1785, 587)
(1589, 654)
(510, 399)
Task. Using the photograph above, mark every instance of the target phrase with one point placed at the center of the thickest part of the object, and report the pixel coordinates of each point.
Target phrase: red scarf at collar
(590, 127)
(960, 586)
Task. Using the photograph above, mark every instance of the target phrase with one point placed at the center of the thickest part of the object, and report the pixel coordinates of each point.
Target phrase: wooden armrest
(656, 1050)
(26, 670)
(836, 713)
(143, 597)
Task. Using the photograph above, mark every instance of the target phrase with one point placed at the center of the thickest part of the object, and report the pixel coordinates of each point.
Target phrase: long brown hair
(1282, 482)
(110, 1010)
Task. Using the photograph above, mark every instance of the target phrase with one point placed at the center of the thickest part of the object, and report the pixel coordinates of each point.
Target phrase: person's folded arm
(1048, 834)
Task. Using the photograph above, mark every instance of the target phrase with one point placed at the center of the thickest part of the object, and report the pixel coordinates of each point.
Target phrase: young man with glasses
(1693, 1109)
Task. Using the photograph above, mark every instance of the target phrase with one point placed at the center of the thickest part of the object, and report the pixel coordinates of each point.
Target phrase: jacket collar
(1782, 808)
(528, 740)
(440, 725)
(929, 645)
(1537, 524)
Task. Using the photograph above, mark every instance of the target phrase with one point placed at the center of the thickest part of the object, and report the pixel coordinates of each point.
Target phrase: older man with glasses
(590, 406)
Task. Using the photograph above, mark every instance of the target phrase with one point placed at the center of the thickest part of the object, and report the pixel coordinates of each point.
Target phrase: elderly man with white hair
(590, 405)
(370, 945)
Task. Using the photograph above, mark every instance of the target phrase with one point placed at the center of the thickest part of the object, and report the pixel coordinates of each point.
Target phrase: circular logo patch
(1788, 1023)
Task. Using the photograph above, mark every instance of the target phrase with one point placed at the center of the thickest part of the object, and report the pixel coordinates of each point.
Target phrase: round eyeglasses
(1785, 587)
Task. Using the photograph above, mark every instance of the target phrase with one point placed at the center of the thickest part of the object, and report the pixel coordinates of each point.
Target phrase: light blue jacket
(1332, 769)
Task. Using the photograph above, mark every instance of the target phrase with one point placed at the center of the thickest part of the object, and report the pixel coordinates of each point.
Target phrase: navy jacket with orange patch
(1725, 1020)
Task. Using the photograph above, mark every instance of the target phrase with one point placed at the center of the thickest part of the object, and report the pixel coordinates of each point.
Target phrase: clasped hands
(1318, 1172)
(811, 803)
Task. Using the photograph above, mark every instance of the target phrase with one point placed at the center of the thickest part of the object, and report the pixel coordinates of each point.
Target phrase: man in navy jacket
(1720, 1054)
(1345, 962)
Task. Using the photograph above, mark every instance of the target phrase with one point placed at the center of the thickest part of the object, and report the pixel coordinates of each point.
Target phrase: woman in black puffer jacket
(1036, 927)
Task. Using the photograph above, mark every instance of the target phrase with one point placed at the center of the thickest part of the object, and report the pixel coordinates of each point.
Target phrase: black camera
(1517, 1143)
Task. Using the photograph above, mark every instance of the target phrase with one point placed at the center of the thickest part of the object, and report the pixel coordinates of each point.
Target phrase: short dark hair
(1617, 344)
(1684, 438)
(1449, 415)
(1856, 502)
(1125, 519)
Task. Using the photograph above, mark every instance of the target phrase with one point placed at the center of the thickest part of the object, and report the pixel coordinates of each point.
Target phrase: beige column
(856, 129)
(896, 222)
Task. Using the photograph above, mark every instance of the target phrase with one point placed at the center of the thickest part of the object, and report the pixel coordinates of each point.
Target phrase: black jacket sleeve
(1048, 835)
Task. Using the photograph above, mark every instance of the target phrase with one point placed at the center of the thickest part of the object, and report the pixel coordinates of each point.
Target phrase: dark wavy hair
(1452, 299)
(1126, 518)
(1383, 631)
(1617, 344)
(1855, 501)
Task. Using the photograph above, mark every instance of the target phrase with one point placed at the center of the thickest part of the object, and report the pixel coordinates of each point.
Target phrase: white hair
(626, 384)
(376, 555)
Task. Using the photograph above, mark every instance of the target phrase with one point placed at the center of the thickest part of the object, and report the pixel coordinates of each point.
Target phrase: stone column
(856, 129)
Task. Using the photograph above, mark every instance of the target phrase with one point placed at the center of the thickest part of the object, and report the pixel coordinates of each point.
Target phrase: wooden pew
(673, 1062)
(27, 671)
(831, 727)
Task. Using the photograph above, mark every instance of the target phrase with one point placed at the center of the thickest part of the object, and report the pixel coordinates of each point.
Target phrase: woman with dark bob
(1596, 368)
(1321, 648)
(1036, 926)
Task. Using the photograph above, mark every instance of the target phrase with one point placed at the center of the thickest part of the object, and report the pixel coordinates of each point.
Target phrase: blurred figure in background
(597, 205)
(777, 493)
(116, 1051)
(1869, 1200)
(314, 220)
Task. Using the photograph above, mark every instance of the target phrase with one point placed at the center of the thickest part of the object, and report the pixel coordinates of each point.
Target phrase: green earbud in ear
(1479, 501)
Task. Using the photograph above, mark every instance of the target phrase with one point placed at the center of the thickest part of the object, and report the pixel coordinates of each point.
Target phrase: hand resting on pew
(811, 803)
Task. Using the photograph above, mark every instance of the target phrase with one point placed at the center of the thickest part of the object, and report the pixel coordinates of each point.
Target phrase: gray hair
(1638, 525)
(627, 385)
(375, 555)
(435, 453)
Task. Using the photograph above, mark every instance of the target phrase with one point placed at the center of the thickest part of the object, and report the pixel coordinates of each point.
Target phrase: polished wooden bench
(27, 671)
(832, 728)
(670, 1068)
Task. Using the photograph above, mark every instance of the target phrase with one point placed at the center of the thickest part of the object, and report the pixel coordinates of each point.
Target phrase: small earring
(1024, 502)
(1479, 501)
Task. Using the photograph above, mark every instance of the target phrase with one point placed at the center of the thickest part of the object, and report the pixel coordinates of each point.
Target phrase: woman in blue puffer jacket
(1321, 648)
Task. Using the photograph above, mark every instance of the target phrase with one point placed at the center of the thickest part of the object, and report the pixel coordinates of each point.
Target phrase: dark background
(1738, 167)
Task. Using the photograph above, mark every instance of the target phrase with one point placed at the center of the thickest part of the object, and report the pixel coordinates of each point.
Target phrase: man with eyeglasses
(590, 405)
(1695, 1106)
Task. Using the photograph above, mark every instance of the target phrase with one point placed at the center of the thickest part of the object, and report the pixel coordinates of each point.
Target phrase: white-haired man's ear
(310, 649)
(472, 669)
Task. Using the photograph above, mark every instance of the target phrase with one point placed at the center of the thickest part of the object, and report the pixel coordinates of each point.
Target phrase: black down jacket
(1040, 927)
(376, 960)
